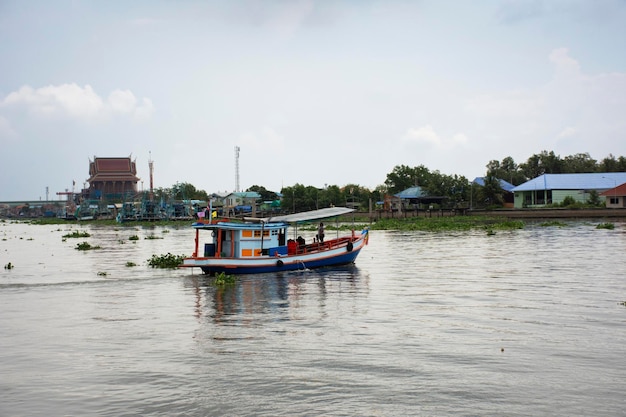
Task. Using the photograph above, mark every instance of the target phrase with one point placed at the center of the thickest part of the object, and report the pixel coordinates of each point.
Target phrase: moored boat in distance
(253, 245)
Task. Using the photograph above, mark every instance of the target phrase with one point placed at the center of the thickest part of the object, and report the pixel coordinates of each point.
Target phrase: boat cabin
(243, 240)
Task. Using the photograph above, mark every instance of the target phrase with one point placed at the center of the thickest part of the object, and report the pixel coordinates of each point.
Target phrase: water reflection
(280, 295)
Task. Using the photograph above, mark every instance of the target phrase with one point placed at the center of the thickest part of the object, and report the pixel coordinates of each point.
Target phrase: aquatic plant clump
(224, 279)
(609, 226)
(76, 234)
(165, 261)
(553, 223)
(85, 246)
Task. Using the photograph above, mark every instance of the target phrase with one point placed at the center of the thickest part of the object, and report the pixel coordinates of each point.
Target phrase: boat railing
(330, 244)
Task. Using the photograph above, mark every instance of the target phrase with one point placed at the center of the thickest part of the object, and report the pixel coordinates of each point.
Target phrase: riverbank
(535, 213)
(432, 220)
(554, 213)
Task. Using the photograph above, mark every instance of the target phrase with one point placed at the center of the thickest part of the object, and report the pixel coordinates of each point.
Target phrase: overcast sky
(312, 92)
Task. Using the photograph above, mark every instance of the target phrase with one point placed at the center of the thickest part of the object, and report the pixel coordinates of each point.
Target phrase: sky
(312, 92)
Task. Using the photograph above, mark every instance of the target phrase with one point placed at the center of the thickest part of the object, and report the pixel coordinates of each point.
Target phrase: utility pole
(236, 169)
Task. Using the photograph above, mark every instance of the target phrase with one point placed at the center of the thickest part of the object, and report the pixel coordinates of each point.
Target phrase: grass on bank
(426, 224)
(441, 224)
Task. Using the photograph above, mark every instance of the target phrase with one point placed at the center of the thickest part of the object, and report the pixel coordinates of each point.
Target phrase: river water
(527, 322)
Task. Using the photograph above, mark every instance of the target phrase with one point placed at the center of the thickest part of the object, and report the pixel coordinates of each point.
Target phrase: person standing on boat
(320, 233)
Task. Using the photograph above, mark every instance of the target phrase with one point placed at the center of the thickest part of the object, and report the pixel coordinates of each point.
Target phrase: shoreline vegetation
(428, 222)
(483, 223)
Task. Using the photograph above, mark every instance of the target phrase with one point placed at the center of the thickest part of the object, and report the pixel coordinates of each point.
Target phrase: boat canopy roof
(308, 216)
(230, 225)
(276, 222)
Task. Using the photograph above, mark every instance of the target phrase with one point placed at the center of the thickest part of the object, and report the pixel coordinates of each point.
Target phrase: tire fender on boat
(279, 262)
(349, 247)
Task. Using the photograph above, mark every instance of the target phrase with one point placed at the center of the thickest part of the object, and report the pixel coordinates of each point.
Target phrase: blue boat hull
(286, 265)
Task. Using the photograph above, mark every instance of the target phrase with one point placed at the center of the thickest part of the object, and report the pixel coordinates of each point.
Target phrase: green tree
(459, 191)
(403, 177)
(379, 193)
(579, 163)
(356, 196)
(265, 194)
(543, 163)
(187, 191)
(298, 198)
(507, 170)
(594, 199)
(611, 164)
(492, 193)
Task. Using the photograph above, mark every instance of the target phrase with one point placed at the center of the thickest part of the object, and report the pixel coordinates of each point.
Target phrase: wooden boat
(252, 245)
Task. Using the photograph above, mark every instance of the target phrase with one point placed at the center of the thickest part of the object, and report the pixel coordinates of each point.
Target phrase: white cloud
(424, 134)
(459, 139)
(565, 66)
(70, 101)
(427, 135)
(534, 119)
(145, 110)
(6, 130)
(52, 101)
(122, 101)
(567, 132)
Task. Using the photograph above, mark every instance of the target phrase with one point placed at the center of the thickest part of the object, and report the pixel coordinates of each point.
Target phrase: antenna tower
(236, 169)
(151, 167)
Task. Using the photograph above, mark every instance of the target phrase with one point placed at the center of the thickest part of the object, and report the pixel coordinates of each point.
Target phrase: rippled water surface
(525, 322)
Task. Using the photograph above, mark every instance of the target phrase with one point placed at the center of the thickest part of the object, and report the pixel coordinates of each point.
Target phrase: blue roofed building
(410, 193)
(241, 202)
(554, 188)
(414, 196)
(506, 186)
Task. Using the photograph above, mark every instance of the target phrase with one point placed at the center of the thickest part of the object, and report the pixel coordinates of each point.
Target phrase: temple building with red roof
(112, 178)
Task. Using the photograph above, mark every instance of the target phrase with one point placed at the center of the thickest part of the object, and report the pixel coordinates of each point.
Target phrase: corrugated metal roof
(589, 181)
(413, 192)
(505, 185)
(246, 194)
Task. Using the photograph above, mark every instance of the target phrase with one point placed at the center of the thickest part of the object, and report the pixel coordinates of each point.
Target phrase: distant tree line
(458, 190)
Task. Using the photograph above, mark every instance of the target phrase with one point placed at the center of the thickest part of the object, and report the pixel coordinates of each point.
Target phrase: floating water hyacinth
(165, 261)
(76, 234)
